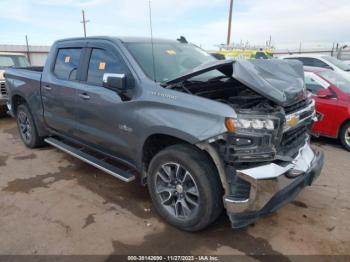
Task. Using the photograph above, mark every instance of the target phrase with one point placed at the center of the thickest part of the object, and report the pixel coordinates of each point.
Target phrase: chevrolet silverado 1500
(201, 133)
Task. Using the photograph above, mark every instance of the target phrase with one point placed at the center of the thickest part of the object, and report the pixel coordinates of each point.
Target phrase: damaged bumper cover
(273, 185)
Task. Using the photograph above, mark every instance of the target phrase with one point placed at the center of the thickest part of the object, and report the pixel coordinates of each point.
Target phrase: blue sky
(204, 22)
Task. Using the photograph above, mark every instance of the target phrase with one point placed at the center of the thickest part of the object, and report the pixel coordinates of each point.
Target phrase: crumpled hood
(281, 81)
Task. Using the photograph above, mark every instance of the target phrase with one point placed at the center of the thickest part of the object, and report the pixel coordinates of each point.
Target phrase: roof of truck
(124, 39)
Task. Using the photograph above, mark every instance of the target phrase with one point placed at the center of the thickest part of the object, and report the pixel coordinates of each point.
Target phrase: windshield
(336, 80)
(337, 63)
(13, 60)
(171, 60)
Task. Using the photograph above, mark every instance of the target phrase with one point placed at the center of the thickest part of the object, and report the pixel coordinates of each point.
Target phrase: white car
(8, 60)
(324, 61)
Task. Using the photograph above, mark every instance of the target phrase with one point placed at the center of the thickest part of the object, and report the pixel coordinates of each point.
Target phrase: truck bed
(25, 82)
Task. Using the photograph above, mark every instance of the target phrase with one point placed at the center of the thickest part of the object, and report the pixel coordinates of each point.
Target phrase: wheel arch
(158, 141)
(346, 121)
(16, 100)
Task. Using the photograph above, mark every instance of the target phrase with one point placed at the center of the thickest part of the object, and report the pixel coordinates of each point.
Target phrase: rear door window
(67, 62)
(318, 63)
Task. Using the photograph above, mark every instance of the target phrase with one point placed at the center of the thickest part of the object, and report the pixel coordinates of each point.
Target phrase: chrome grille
(292, 140)
(298, 106)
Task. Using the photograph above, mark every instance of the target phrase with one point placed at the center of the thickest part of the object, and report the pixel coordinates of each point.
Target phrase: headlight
(258, 124)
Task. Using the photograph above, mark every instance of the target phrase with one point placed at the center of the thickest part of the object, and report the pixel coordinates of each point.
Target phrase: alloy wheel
(177, 190)
(24, 126)
(347, 136)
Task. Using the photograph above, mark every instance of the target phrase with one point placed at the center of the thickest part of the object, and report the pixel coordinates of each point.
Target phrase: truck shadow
(135, 198)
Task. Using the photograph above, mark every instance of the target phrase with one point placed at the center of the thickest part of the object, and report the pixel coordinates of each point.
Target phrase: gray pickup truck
(203, 134)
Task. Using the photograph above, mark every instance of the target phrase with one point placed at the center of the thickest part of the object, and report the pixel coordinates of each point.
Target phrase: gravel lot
(51, 203)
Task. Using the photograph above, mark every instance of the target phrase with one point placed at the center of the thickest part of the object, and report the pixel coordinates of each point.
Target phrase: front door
(103, 116)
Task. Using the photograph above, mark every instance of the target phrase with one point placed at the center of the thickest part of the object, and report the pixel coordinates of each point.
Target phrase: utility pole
(84, 22)
(229, 24)
(27, 45)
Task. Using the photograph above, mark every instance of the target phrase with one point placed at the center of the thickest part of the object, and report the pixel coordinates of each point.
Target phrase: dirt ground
(51, 203)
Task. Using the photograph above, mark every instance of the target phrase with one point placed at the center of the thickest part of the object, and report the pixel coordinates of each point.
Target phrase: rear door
(103, 116)
(59, 89)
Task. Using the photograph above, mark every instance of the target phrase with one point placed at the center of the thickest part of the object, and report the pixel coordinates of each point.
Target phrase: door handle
(84, 96)
(47, 87)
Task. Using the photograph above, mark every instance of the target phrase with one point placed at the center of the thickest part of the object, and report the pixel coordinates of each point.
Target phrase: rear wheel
(185, 187)
(345, 136)
(26, 127)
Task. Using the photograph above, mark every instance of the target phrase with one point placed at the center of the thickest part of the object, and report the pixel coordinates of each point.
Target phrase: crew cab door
(104, 117)
(325, 107)
(58, 88)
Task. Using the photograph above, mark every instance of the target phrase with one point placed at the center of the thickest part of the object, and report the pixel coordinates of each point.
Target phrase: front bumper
(273, 185)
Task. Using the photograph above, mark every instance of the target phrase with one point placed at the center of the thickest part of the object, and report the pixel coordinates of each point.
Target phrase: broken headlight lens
(254, 123)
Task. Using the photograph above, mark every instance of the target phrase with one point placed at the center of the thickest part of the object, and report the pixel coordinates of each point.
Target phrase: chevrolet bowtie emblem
(293, 121)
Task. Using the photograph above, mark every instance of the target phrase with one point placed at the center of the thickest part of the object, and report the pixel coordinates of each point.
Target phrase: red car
(332, 95)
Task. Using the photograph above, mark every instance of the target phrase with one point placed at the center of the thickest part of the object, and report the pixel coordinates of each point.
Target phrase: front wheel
(345, 136)
(185, 187)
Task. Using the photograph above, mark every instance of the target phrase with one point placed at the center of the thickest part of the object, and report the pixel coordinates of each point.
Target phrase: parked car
(331, 92)
(323, 61)
(8, 60)
(201, 133)
(239, 54)
(343, 54)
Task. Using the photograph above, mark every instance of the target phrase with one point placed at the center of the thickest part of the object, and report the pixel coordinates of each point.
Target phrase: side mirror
(325, 93)
(116, 82)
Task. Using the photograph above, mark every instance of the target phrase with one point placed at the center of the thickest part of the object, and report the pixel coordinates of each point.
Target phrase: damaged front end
(267, 159)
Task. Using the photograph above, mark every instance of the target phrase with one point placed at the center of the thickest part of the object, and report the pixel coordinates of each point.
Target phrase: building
(35, 54)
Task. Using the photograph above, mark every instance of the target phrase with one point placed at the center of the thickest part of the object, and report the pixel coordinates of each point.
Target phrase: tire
(27, 128)
(197, 175)
(345, 136)
(3, 111)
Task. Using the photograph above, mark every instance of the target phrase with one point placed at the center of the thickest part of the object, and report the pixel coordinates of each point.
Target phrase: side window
(305, 61)
(67, 62)
(311, 84)
(101, 62)
(308, 61)
(319, 63)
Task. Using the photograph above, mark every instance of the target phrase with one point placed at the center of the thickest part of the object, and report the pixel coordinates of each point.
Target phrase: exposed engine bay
(229, 91)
